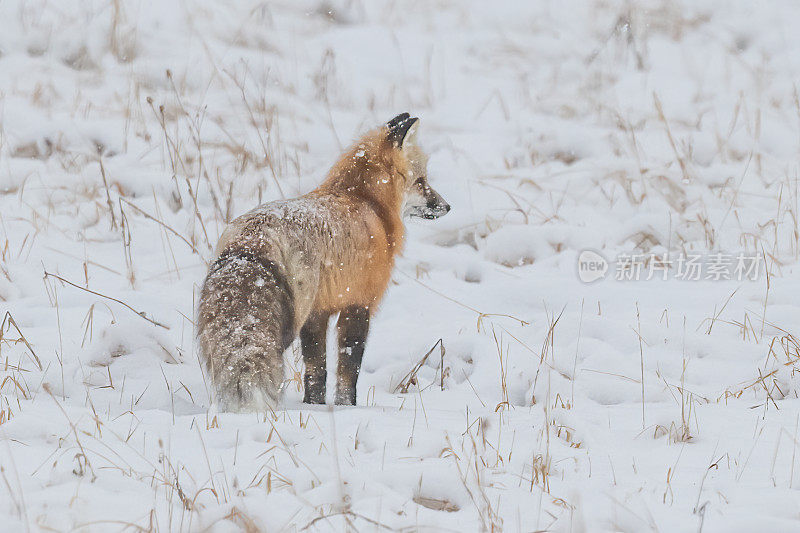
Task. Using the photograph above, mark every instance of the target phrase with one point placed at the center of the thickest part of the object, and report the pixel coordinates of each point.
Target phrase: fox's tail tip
(237, 402)
(245, 392)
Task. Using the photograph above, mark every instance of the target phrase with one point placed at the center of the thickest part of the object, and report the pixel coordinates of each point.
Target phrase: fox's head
(419, 198)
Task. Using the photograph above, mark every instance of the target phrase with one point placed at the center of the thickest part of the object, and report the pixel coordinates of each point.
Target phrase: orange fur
(369, 190)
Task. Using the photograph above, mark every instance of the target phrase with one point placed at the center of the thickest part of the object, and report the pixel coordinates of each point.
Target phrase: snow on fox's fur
(284, 268)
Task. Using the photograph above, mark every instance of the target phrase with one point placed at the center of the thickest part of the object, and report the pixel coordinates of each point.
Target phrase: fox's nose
(440, 208)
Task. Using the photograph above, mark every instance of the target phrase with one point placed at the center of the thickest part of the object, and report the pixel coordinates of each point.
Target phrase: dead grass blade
(142, 314)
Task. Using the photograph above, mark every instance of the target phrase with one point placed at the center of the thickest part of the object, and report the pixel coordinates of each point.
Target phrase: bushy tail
(245, 323)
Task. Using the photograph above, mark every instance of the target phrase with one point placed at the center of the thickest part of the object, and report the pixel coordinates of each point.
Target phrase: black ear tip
(397, 120)
(398, 128)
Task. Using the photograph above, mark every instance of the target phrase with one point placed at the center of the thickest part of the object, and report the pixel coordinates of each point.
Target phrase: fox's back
(334, 250)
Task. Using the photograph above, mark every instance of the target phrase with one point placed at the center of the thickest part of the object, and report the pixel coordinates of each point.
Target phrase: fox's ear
(397, 120)
(398, 128)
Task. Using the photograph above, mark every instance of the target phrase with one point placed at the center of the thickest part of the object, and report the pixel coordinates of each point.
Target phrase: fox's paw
(346, 397)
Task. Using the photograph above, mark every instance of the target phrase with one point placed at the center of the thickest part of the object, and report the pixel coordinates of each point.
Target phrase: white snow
(131, 131)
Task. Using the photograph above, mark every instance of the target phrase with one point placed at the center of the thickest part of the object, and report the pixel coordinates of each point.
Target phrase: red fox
(284, 268)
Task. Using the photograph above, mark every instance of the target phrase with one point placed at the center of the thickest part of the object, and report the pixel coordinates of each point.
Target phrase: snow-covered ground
(133, 130)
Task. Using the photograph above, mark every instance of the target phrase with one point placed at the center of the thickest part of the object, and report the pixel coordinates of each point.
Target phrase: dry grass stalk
(9, 321)
(142, 314)
(411, 377)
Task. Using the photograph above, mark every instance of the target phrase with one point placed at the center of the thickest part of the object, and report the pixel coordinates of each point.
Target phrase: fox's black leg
(352, 329)
(313, 338)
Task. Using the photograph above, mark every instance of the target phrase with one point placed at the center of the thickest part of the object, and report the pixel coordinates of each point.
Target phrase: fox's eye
(420, 181)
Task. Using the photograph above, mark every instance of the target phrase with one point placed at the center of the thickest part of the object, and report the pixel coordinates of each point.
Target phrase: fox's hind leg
(313, 339)
(352, 328)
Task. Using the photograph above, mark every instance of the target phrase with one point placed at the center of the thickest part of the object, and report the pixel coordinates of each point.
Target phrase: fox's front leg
(352, 329)
(313, 339)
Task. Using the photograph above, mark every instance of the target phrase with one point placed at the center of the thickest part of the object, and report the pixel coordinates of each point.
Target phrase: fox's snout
(425, 202)
(436, 206)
